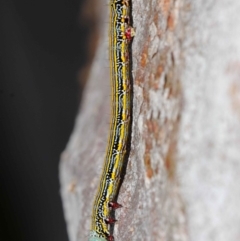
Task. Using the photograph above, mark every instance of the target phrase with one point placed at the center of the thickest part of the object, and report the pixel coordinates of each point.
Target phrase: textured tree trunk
(183, 175)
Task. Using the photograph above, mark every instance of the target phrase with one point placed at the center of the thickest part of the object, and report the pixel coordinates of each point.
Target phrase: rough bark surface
(182, 177)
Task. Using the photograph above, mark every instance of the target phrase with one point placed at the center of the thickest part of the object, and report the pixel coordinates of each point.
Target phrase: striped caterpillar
(120, 35)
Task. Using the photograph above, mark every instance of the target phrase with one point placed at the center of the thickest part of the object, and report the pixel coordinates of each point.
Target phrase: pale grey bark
(183, 175)
(209, 136)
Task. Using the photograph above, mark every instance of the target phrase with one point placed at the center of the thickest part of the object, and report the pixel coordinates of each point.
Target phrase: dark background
(41, 51)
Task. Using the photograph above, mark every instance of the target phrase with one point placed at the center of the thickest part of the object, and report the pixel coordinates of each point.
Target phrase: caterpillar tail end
(94, 237)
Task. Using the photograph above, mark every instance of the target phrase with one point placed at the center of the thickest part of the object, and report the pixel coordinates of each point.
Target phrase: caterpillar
(120, 35)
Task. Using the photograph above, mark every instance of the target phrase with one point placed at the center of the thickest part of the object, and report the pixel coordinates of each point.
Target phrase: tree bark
(182, 178)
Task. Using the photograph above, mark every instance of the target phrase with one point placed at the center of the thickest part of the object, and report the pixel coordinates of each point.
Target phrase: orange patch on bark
(171, 22)
(165, 6)
(148, 145)
(159, 71)
(170, 162)
(154, 82)
(147, 163)
(143, 61)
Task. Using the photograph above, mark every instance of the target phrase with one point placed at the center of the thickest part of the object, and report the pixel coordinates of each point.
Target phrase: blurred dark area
(42, 48)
